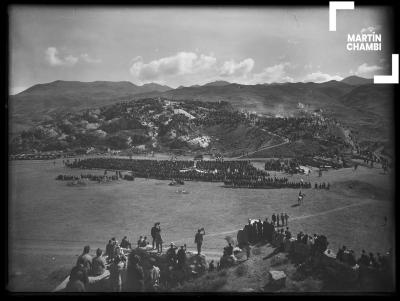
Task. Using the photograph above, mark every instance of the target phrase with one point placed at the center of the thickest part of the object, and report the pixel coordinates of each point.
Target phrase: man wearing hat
(198, 239)
(171, 254)
(135, 275)
(181, 256)
(85, 259)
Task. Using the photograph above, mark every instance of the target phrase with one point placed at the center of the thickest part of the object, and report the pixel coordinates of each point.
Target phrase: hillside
(263, 98)
(161, 125)
(364, 109)
(372, 111)
(356, 80)
(41, 101)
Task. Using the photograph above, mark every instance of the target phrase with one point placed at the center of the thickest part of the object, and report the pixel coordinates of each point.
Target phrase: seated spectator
(363, 260)
(98, 264)
(144, 242)
(340, 253)
(117, 266)
(305, 239)
(372, 260)
(85, 259)
(288, 235)
(140, 241)
(135, 274)
(211, 266)
(228, 250)
(154, 275)
(351, 258)
(125, 243)
(78, 279)
(299, 236)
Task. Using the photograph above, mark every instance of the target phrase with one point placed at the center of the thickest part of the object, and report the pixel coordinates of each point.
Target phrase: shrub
(241, 270)
(207, 283)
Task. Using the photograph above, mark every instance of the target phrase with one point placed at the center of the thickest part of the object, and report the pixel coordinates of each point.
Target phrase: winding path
(295, 218)
(286, 141)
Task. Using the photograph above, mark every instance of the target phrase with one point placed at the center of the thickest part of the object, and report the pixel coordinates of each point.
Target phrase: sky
(185, 46)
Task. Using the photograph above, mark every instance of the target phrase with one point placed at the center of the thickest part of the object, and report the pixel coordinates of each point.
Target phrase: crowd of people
(210, 171)
(322, 185)
(119, 258)
(90, 177)
(267, 182)
(287, 166)
(348, 256)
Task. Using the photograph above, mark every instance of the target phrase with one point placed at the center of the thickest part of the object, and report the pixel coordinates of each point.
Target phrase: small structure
(277, 280)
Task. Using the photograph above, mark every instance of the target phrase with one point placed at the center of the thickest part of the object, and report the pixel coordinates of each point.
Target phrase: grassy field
(49, 222)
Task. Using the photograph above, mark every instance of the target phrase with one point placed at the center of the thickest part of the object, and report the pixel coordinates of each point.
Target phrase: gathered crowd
(287, 166)
(234, 174)
(130, 272)
(266, 183)
(210, 171)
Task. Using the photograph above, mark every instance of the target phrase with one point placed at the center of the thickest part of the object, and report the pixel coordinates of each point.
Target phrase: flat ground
(51, 222)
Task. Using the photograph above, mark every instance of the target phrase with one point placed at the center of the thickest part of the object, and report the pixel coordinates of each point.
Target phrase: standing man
(198, 239)
(159, 240)
(286, 218)
(273, 219)
(277, 220)
(135, 274)
(153, 233)
(283, 219)
(265, 229)
(181, 257)
(259, 230)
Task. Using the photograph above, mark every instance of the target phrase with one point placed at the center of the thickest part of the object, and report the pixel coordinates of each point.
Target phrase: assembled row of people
(213, 171)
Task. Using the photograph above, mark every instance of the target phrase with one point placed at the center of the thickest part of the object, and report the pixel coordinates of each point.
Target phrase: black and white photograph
(201, 149)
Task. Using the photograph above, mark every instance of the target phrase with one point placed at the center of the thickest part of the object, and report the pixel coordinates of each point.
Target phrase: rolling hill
(364, 107)
(41, 101)
(356, 80)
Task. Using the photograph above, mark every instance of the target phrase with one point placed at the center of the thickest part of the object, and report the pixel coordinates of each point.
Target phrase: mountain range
(354, 100)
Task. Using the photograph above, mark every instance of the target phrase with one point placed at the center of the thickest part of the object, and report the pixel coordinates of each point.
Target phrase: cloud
(367, 71)
(188, 68)
(293, 42)
(52, 57)
(182, 63)
(308, 66)
(371, 29)
(88, 59)
(319, 77)
(231, 68)
(273, 74)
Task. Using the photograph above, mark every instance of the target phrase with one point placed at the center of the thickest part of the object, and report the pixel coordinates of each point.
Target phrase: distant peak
(218, 83)
(357, 80)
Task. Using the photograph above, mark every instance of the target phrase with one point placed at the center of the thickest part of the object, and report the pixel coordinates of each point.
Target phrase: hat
(172, 244)
(136, 258)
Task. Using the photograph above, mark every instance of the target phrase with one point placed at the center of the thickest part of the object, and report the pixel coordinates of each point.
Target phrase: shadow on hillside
(272, 254)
